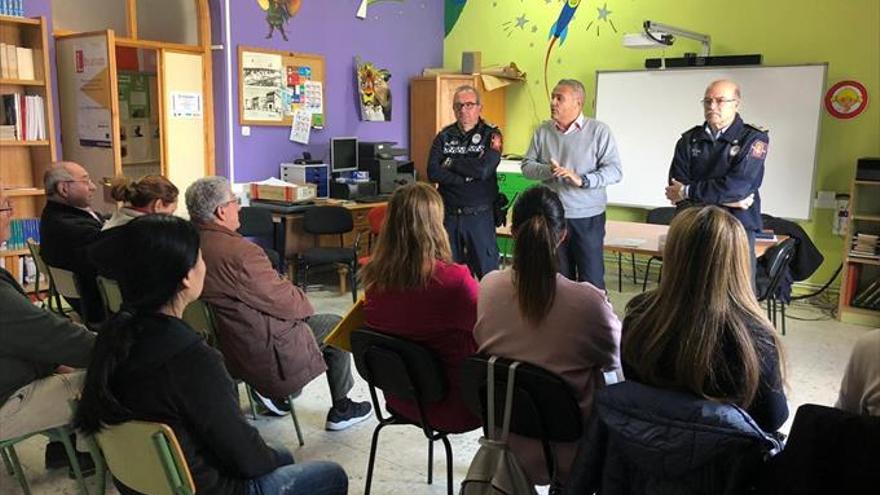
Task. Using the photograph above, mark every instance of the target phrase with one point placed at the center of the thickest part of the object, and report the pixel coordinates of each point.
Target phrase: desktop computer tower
(378, 158)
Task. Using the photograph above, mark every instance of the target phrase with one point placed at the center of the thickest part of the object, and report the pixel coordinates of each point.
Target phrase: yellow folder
(340, 336)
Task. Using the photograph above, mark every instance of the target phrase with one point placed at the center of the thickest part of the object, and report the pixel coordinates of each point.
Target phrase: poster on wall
(94, 124)
(374, 92)
(262, 86)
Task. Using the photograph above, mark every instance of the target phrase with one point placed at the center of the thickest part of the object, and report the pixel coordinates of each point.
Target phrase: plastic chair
(257, 224)
(406, 370)
(66, 285)
(146, 457)
(111, 295)
(657, 216)
(42, 268)
(544, 406)
(330, 220)
(376, 219)
(778, 258)
(60, 434)
(200, 317)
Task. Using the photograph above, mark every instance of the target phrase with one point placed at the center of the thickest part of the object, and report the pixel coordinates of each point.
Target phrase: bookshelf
(861, 272)
(23, 162)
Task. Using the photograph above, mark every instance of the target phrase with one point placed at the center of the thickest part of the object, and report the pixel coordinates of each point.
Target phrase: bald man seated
(67, 227)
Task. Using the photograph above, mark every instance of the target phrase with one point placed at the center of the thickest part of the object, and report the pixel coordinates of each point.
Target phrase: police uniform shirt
(725, 169)
(464, 164)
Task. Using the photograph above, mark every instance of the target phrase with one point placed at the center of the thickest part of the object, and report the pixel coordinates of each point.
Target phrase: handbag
(494, 469)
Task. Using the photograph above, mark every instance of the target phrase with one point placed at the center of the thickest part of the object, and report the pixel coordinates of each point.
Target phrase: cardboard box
(291, 193)
(471, 62)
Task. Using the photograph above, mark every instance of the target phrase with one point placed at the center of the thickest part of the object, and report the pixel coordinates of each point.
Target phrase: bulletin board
(273, 85)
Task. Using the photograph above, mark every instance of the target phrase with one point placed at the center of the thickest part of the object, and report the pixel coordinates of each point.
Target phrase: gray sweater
(590, 152)
(33, 341)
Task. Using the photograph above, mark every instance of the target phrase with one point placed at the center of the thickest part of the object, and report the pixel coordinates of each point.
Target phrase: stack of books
(16, 62)
(22, 116)
(865, 246)
(12, 8)
(20, 230)
(869, 297)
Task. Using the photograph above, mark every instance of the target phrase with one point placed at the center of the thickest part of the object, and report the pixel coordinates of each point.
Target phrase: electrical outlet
(245, 130)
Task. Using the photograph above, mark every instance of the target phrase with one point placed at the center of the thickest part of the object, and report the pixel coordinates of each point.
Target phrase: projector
(641, 40)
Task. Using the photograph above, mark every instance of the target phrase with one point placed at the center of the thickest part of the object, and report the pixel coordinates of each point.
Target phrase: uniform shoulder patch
(758, 127)
(758, 149)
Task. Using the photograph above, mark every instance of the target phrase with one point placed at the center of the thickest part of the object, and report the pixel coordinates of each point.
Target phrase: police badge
(734, 150)
(477, 138)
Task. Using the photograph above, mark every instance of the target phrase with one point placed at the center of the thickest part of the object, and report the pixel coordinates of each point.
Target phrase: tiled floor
(816, 352)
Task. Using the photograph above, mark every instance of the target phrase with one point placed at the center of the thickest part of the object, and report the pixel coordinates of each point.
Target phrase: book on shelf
(26, 114)
(14, 8)
(16, 62)
(20, 230)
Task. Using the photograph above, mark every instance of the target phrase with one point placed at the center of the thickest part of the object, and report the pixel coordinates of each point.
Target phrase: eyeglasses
(84, 181)
(235, 200)
(466, 105)
(707, 102)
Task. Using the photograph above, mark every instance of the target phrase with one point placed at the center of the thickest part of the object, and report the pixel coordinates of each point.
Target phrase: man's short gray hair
(576, 85)
(55, 174)
(204, 196)
(467, 88)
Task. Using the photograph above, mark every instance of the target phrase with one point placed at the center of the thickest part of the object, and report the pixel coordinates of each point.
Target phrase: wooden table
(641, 238)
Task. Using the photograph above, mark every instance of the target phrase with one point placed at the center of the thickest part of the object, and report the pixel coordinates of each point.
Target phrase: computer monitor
(343, 154)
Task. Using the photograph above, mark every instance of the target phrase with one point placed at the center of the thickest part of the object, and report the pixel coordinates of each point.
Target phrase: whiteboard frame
(824, 66)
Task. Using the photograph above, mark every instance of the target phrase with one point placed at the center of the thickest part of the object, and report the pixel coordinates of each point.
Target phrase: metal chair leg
(247, 391)
(448, 448)
(19, 473)
(782, 311)
(64, 433)
(374, 444)
(430, 461)
(619, 271)
(299, 434)
(352, 280)
(632, 258)
(6, 462)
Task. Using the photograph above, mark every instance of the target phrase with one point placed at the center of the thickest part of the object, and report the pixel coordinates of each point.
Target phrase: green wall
(845, 34)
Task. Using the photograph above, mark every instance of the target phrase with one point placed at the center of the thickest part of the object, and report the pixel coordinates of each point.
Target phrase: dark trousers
(338, 361)
(752, 258)
(581, 255)
(472, 239)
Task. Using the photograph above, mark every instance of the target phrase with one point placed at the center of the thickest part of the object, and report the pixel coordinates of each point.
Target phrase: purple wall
(404, 37)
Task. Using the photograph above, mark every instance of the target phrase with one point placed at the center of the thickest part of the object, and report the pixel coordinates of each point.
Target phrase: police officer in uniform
(463, 160)
(721, 162)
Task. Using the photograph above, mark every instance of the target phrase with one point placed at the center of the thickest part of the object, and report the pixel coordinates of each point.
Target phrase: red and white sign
(846, 99)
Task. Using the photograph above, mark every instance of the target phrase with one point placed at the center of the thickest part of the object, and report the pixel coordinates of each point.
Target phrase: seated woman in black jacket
(150, 365)
(702, 331)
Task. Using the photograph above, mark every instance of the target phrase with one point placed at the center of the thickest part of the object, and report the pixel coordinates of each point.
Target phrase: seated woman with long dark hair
(533, 314)
(415, 291)
(150, 365)
(702, 331)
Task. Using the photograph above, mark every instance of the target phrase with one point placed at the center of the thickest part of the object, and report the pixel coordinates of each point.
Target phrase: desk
(617, 234)
(294, 240)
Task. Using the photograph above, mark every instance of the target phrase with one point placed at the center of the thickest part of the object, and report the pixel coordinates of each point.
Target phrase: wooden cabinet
(430, 109)
(23, 162)
(860, 288)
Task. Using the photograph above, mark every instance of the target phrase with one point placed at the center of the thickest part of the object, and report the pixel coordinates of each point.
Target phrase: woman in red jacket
(415, 291)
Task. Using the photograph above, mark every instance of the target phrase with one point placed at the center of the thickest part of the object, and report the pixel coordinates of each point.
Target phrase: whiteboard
(649, 110)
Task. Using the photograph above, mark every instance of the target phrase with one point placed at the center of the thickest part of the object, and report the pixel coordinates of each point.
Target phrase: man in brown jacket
(266, 326)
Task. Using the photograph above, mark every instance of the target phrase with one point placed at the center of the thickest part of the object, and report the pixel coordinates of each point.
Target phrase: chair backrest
(199, 316)
(256, 222)
(34, 248)
(534, 389)
(661, 216)
(777, 258)
(398, 366)
(828, 451)
(376, 219)
(324, 220)
(110, 294)
(146, 457)
(64, 282)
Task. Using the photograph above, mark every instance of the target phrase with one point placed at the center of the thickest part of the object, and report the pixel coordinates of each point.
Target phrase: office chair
(778, 258)
(257, 225)
(330, 220)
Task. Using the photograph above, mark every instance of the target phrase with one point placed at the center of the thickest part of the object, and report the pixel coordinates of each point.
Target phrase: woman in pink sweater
(414, 291)
(531, 313)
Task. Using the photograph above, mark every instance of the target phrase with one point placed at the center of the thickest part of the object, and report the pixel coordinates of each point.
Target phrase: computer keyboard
(373, 199)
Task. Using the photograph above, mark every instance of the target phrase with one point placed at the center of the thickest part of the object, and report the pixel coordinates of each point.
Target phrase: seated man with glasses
(266, 327)
(721, 161)
(67, 227)
(463, 161)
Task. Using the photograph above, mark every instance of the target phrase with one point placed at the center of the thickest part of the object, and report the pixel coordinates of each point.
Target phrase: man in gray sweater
(576, 157)
(38, 353)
